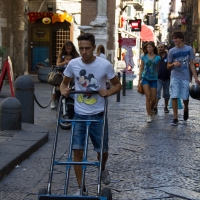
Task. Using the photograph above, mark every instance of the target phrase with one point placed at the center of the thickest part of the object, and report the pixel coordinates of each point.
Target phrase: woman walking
(68, 48)
(148, 74)
(101, 51)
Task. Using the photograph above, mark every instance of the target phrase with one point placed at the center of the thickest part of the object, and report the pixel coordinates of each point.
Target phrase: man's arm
(113, 90)
(64, 87)
(172, 65)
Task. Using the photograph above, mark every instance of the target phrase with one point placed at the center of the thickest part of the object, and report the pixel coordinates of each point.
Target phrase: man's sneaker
(53, 105)
(185, 115)
(149, 119)
(166, 110)
(155, 110)
(174, 122)
(77, 193)
(105, 177)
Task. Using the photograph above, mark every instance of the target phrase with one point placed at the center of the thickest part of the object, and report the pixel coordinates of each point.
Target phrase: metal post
(118, 94)
(124, 83)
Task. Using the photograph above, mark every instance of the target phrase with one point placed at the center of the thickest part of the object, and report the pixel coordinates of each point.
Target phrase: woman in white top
(101, 51)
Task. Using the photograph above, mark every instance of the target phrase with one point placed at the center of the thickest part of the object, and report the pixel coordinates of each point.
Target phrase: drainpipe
(42, 3)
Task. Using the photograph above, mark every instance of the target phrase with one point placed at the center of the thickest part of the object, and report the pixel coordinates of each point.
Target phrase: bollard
(24, 92)
(10, 114)
(118, 94)
(124, 83)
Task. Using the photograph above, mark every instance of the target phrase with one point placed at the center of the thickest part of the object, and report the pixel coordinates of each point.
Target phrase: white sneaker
(149, 119)
(53, 105)
(105, 177)
(77, 193)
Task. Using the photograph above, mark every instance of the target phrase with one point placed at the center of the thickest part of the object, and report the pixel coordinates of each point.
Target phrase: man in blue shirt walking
(180, 62)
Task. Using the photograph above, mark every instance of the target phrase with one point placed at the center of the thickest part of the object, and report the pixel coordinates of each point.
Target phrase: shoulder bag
(54, 78)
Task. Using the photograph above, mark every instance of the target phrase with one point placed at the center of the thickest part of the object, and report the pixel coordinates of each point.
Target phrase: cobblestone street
(146, 160)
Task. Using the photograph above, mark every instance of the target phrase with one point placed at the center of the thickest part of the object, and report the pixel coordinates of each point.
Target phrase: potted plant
(2, 52)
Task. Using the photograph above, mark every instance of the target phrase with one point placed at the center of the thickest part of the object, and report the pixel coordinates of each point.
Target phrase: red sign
(129, 42)
(135, 24)
(183, 20)
(7, 70)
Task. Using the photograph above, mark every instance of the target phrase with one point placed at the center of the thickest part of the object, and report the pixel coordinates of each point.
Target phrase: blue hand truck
(105, 194)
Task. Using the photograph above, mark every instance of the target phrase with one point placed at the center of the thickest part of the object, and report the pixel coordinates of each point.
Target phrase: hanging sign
(183, 28)
(128, 43)
(183, 21)
(135, 24)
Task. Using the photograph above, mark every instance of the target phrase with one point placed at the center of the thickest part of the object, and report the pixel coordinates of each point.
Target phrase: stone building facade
(31, 42)
(12, 28)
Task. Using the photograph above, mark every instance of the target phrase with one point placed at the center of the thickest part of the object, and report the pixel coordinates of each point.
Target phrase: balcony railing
(134, 1)
(137, 4)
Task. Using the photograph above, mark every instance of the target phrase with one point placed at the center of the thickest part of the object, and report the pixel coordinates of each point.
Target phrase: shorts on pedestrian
(95, 132)
(151, 83)
(179, 88)
(165, 86)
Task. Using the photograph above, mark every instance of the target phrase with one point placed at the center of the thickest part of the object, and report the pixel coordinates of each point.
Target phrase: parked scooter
(67, 107)
(197, 63)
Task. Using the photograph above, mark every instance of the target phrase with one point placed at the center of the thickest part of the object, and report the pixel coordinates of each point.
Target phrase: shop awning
(146, 33)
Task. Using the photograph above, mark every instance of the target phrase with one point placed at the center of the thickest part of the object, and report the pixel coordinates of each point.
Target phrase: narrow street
(146, 161)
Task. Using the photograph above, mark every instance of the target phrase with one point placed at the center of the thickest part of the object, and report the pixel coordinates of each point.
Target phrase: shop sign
(127, 42)
(135, 25)
(183, 28)
(183, 20)
(54, 17)
(122, 22)
(46, 20)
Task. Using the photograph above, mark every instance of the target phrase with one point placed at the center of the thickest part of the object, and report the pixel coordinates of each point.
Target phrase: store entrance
(45, 41)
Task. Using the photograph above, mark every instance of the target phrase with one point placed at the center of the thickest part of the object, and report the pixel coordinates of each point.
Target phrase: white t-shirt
(102, 55)
(89, 77)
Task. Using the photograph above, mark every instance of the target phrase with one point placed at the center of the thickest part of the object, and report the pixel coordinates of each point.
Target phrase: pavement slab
(20, 145)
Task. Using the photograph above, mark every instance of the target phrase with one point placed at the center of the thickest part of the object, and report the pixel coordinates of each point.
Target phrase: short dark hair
(87, 36)
(178, 34)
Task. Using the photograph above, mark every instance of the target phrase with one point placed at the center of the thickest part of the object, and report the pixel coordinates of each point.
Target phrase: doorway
(45, 42)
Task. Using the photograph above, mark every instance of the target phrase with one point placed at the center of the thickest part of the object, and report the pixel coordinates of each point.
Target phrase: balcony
(137, 4)
(196, 19)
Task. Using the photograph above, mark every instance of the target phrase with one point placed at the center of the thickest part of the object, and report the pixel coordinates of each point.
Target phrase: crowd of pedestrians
(171, 72)
(160, 71)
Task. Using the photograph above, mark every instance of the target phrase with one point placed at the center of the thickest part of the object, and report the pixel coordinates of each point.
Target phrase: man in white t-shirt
(90, 74)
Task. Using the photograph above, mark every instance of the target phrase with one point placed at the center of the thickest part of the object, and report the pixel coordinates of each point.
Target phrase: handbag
(140, 88)
(54, 78)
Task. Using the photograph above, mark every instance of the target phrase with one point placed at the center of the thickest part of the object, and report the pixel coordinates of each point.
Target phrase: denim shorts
(179, 88)
(152, 84)
(165, 86)
(95, 132)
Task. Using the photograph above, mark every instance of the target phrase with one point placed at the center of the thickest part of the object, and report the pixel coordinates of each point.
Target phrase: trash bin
(129, 84)
(129, 80)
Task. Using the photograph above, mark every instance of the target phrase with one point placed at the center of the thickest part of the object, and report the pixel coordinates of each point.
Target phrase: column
(101, 18)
